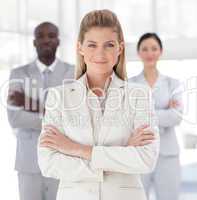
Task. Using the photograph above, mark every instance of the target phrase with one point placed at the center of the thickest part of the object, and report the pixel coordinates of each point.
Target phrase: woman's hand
(173, 103)
(54, 139)
(141, 136)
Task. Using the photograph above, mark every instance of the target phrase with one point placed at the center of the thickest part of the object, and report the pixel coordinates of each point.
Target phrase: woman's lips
(100, 62)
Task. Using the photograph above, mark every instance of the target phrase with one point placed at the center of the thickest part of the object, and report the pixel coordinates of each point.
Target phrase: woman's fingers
(148, 137)
(174, 103)
(147, 132)
(142, 127)
(47, 139)
(145, 142)
(48, 135)
(51, 134)
(51, 129)
(48, 145)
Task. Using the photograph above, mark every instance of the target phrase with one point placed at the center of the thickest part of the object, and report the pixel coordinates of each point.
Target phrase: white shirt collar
(41, 66)
(111, 79)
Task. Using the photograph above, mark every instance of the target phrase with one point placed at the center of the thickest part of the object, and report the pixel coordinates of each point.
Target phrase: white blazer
(114, 169)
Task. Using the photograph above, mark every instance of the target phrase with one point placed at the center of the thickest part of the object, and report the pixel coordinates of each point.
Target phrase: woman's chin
(101, 71)
(151, 64)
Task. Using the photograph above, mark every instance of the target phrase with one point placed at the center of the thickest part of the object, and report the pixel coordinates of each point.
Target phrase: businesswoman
(168, 104)
(99, 133)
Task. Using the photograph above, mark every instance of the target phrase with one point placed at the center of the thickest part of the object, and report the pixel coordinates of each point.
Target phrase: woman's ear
(79, 49)
(121, 47)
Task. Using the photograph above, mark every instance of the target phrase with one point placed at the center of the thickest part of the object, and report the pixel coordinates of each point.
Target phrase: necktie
(46, 76)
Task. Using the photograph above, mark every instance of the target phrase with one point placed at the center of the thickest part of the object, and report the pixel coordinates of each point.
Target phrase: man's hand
(16, 98)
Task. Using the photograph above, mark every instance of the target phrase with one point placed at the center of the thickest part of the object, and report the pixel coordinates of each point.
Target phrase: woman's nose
(100, 51)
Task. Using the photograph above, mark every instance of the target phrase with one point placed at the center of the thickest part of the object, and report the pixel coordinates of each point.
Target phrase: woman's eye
(154, 49)
(110, 45)
(144, 49)
(91, 45)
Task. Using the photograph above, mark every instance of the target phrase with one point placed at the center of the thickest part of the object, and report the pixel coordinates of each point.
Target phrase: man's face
(46, 40)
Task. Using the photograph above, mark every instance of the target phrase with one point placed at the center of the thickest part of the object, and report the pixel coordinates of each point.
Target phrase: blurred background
(173, 20)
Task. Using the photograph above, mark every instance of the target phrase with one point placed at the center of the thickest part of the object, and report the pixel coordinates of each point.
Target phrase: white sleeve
(55, 164)
(132, 160)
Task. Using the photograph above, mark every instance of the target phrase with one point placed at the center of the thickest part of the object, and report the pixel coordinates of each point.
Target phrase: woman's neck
(98, 82)
(151, 75)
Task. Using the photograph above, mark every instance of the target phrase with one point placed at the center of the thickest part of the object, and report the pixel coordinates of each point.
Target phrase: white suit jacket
(114, 170)
(165, 89)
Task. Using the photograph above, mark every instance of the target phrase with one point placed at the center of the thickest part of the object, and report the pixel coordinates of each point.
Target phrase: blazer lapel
(35, 74)
(78, 100)
(33, 83)
(112, 106)
(78, 95)
(57, 76)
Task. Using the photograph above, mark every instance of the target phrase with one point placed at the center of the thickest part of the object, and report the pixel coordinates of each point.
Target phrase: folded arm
(54, 162)
(18, 116)
(132, 159)
(172, 115)
(125, 159)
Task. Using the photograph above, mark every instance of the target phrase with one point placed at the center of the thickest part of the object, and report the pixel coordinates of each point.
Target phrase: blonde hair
(103, 19)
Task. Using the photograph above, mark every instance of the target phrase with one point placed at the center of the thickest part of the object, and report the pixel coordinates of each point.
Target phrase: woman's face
(100, 50)
(149, 52)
